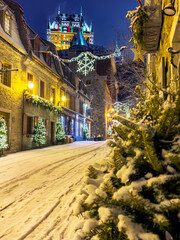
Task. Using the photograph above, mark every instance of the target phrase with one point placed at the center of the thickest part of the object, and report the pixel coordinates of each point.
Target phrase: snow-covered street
(38, 187)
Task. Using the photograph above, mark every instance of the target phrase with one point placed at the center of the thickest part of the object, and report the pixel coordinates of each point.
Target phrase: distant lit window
(7, 24)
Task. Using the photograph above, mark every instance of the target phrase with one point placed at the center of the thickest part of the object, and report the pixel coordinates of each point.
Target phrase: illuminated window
(29, 79)
(52, 96)
(42, 89)
(6, 75)
(7, 24)
(62, 95)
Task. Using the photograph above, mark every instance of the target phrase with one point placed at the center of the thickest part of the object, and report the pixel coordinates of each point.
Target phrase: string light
(85, 60)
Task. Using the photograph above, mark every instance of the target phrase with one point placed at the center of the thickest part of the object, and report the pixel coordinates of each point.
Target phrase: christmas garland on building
(38, 101)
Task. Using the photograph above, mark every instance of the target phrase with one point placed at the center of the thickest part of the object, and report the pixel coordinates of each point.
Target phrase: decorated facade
(62, 30)
(96, 67)
(35, 86)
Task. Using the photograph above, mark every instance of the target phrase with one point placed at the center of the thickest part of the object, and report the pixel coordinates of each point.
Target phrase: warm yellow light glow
(51, 99)
(63, 98)
(108, 114)
(116, 114)
(30, 85)
(112, 109)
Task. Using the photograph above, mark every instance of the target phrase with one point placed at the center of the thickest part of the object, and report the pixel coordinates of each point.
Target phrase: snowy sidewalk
(38, 187)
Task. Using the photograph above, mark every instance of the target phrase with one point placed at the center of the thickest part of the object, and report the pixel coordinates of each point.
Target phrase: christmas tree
(40, 133)
(60, 133)
(86, 133)
(135, 195)
(3, 135)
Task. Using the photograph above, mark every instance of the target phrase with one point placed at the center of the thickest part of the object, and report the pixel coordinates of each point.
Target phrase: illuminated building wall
(62, 30)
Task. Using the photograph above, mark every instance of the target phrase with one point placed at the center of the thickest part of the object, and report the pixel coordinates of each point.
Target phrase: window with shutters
(6, 75)
(42, 89)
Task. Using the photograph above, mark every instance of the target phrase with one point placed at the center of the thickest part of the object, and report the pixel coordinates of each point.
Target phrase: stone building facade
(23, 50)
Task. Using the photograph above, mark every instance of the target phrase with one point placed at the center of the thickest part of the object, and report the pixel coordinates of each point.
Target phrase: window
(62, 95)
(42, 89)
(72, 103)
(88, 82)
(30, 80)
(7, 24)
(52, 95)
(29, 125)
(6, 75)
(67, 100)
(80, 107)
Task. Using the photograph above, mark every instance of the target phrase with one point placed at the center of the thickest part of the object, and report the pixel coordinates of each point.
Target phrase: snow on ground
(38, 189)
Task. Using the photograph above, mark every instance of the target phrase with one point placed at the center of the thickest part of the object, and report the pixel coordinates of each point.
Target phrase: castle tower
(62, 30)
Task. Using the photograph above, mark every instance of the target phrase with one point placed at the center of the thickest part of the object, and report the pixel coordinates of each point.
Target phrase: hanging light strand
(74, 59)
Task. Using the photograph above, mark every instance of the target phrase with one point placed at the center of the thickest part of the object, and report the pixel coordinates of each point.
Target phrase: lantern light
(63, 98)
(30, 84)
(169, 9)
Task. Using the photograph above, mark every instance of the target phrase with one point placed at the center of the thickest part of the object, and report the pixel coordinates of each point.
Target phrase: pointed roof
(78, 39)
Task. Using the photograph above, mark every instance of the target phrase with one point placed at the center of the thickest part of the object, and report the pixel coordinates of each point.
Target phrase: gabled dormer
(36, 45)
(6, 18)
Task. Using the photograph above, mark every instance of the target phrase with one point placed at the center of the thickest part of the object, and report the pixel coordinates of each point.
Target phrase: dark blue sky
(106, 15)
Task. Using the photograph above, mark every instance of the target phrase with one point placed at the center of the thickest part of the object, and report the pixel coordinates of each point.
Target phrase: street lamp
(30, 86)
(169, 9)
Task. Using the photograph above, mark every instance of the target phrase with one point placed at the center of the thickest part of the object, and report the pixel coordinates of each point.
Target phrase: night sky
(106, 15)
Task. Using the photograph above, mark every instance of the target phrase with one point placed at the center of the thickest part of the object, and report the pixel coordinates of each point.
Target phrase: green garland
(137, 17)
(38, 101)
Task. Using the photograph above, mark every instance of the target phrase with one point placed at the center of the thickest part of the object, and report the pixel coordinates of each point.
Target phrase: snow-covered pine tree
(137, 197)
(86, 133)
(40, 133)
(60, 133)
(3, 136)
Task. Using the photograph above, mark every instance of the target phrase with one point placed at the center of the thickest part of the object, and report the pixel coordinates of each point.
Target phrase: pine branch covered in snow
(135, 195)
